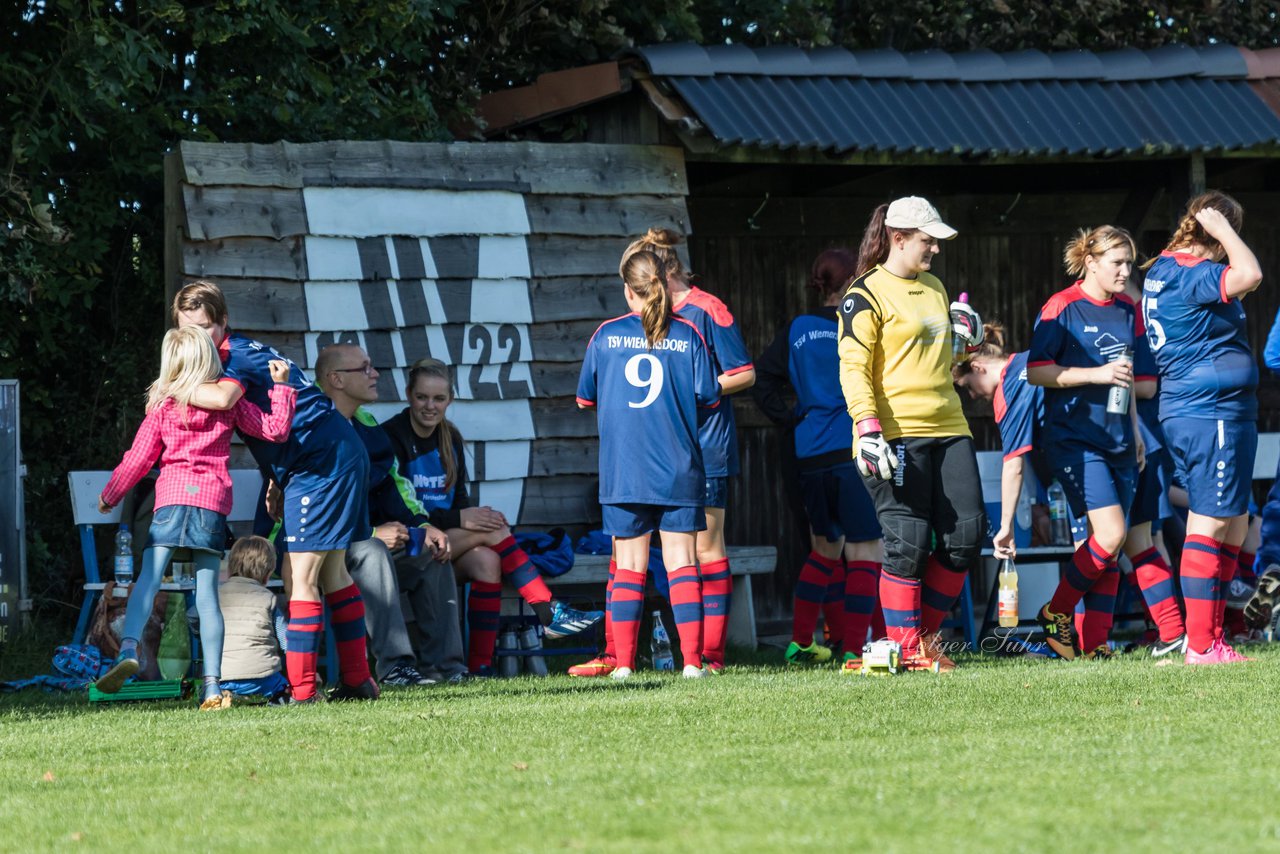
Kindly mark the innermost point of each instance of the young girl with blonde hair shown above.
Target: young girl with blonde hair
(647, 374)
(193, 491)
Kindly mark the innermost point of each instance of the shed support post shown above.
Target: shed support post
(1197, 174)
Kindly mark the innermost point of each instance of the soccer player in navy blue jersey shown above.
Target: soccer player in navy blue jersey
(717, 433)
(1208, 401)
(323, 471)
(1077, 349)
(647, 374)
(843, 529)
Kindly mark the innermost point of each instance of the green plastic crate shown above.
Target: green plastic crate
(163, 689)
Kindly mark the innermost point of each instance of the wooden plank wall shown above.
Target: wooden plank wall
(755, 253)
(498, 258)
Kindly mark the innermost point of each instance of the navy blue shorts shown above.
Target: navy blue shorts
(1151, 497)
(326, 493)
(632, 520)
(838, 504)
(1091, 483)
(1214, 461)
(178, 526)
(717, 493)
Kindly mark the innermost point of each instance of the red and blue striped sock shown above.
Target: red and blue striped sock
(686, 607)
(900, 598)
(346, 612)
(484, 606)
(942, 585)
(717, 588)
(1095, 613)
(625, 603)
(833, 606)
(302, 636)
(1234, 620)
(810, 592)
(520, 571)
(1228, 565)
(878, 628)
(1199, 576)
(1089, 562)
(609, 651)
(1155, 580)
(861, 580)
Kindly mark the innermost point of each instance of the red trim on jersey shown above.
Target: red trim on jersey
(747, 367)
(1012, 455)
(1183, 259)
(224, 349)
(1038, 364)
(1142, 378)
(1058, 302)
(694, 327)
(232, 380)
(607, 322)
(999, 403)
(711, 305)
(1222, 285)
(582, 401)
(1084, 296)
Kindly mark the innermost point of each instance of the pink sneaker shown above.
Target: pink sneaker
(1212, 655)
(1229, 654)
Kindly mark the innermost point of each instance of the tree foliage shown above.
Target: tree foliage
(94, 94)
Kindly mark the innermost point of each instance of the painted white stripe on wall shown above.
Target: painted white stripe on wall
(334, 306)
(392, 261)
(502, 495)
(503, 258)
(428, 260)
(393, 294)
(431, 293)
(376, 211)
(500, 301)
(506, 460)
(331, 258)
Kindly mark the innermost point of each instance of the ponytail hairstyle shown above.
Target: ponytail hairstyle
(646, 275)
(1097, 243)
(188, 358)
(1191, 232)
(832, 271)
(876, 240)
(662, 243)
(992, 349)
(436, 369)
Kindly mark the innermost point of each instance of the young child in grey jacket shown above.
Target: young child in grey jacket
(255, 627)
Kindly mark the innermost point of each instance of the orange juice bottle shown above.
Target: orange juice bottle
(1007, 602)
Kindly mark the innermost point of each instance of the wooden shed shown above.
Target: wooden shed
(501, 257)
(787, 152)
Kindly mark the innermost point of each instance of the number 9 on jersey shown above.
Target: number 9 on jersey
(651, 381)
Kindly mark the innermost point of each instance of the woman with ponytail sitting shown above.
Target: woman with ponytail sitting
(646, 374)
(429, 450)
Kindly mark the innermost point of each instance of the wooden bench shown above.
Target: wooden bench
(744, 562)
(85, 488)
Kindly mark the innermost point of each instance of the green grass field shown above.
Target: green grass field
(1000, 755)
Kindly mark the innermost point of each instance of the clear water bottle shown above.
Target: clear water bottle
(958, 347)
(529, 640)
(660, 645)
(1059, 516)
(124, 556)
(1007, 601)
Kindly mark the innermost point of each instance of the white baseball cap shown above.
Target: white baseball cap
(915, 212)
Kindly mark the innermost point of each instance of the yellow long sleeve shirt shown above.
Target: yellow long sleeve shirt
(895, 355)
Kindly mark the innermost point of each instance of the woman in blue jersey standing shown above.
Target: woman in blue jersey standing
(843, 530)
(1085, 342)
(717, 432)
(647, 374)
(1208, 401)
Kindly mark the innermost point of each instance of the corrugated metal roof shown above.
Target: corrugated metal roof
(1168, 100)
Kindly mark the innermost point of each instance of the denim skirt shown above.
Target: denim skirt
(180, 526)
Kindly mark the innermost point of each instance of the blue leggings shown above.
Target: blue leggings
(155, 561)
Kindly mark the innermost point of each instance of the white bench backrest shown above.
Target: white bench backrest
(1264, 464)
(86, 486)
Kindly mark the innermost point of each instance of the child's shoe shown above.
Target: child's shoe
(125, 668)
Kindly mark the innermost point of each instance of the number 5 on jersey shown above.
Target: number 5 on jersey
(652, 380)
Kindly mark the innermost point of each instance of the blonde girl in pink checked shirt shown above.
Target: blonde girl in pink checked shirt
(193, 492)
